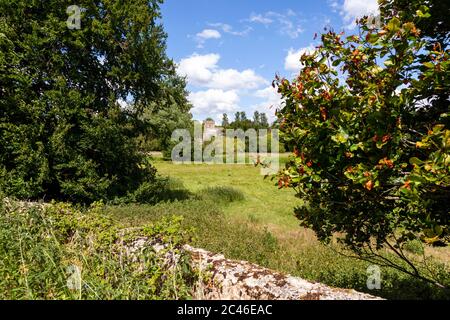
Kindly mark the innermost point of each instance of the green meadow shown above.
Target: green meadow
(236, 211)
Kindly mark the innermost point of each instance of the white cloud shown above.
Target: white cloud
(292, 60)
(233, 79)
(198, 68)
(270, 95)
(287, 23)
(229, 29)
(205, 35)
(290, 29)
(209, 34)
(334, 4)
(203, 71)
(259, 18)
(220, 89)
(271, 102)
(353, 9)
(214, 101)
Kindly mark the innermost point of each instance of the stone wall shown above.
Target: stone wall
(241, 280)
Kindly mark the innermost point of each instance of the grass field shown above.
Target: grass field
(263, 203)
(235, 211)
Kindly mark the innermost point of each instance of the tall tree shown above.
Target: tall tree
(256, 120)
(225, 121)
(237, 120)
(66, 131)
(264, 121)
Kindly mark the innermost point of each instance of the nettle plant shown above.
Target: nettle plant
(368, 120)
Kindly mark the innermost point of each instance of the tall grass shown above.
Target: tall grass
(222, 194)
(59, 252)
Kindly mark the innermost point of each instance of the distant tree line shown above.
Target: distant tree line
(259, 121)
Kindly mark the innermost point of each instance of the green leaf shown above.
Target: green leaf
(415, 161)
(423, 12)
(388, 63)
(417, 179)
(438, 128)
(373, 38)
(355, 147)
(393, 25)
(341, 137)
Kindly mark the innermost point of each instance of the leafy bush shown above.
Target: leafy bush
(43, 247)
(368, 119)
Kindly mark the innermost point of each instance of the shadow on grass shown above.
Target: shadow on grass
(322, 264)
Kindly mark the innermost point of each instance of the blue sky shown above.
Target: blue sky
(230, 50)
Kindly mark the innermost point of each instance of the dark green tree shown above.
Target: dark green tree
(237, 117)
(245, 123)
(237, 120)
(256, 119)
(264, 121)
(163, 119)
(225, 121)
(63, 132)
